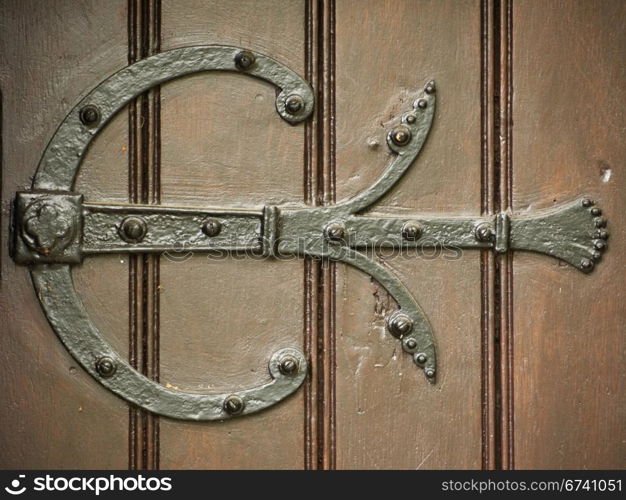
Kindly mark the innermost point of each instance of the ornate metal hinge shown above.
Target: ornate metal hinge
(55, 228)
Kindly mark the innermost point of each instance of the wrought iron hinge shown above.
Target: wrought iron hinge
(55, 228)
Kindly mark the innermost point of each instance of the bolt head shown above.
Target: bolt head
(334, 231)
(430, 88)
(234, 405)
(421, 358)
(400, 325)
(106, 367)
(484, 232)
(90, 115)
(294, 104)
(401, 135)
(244, 60)
(422, 103)
(288, 365)
(411, 231)
(212, 227)
(410, 344)
(133, 229)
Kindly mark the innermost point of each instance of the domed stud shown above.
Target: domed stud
(596, 255)
(133, 229)
(484, 232)
(410, 344)
(244, 60)
(106, 367)
(411, 231)
(401, 135)
(90, 115)
(411, 119)
(422, 103)
(602, 234)
(429, 372)
(586, 265)
(294, 104)
(600, 222)
(430, 88)
(212, 227)
(421, 358)
(596, 211)
(599, 244)
(334, 231)
(587, 202)
(399, 325)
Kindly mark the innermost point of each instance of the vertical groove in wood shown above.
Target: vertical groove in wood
(503, 271)
(487, 260)
(144, 187)
(320, 277)
(310, 265)
(327, 272)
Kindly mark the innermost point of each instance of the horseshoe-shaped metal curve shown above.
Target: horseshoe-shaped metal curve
(57, 171)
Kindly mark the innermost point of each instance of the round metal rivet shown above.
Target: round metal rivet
(234, 405)
(600, 245)
(400, 325)
(602, 234)
(411, 231)
(288, 365)
(90, 115)
(596, 255)
(401, 135)
(133, 229)
(429, 372)
(334, 231)
(421, 358)
(422, 103)
(596, 211)
(586, 264)
(212, 227)
(483, 232)
(600, 222)
(244, 59)
(410, 343)
(294, 104)
(430, 88)
(587, 202)
(411, 119)
(106, 367)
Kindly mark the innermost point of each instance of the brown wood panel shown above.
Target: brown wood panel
(54, 415)
(223, 144)
(387, 415)
(569, 82)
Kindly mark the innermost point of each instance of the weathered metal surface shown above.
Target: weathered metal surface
(67, 315)
(59, 164)
(57, 227)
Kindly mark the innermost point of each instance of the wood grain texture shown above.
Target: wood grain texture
(569, 82)
(388, 416)
(53, 414)
(223, 144)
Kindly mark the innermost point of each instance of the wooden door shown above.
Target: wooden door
(529, 115)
